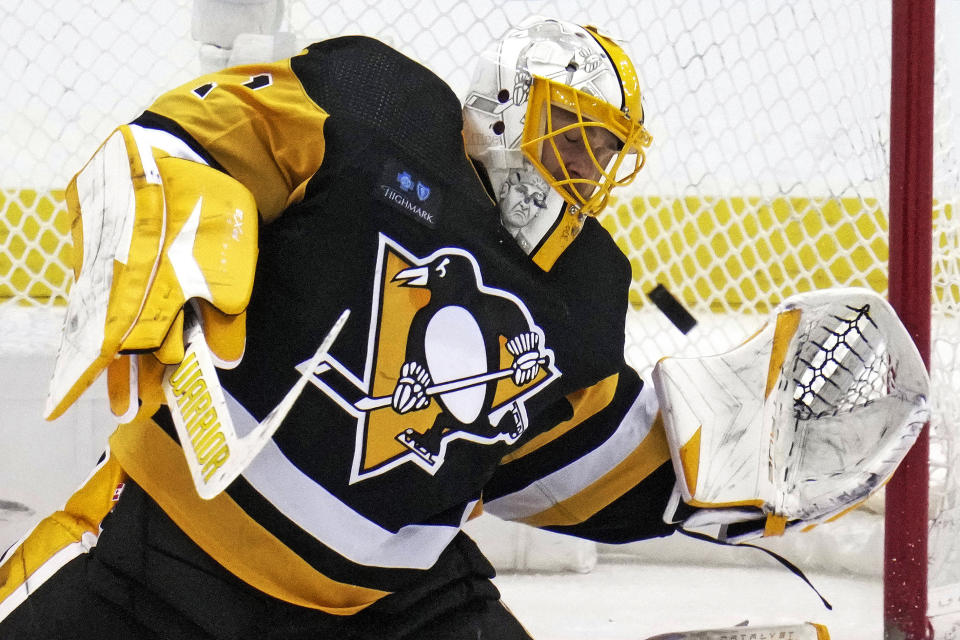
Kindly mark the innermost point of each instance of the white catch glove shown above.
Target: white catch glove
(799, 424)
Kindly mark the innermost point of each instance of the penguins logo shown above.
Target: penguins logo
(448, 358)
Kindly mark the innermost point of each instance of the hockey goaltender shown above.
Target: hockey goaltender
(340, 313)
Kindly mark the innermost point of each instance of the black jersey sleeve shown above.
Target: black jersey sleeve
(598, 465)
(601, 471)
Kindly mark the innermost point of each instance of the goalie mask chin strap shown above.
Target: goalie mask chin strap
(783, 561)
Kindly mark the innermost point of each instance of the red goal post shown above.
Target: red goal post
(911, 234)
(789, 143)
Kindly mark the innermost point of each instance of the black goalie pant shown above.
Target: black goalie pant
(130, 586)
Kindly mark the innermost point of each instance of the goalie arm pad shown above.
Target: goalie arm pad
(153, 227)
(799, 424)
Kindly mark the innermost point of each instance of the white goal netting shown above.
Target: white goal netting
(768, 173)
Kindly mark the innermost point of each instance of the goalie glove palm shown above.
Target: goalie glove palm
(803, 421)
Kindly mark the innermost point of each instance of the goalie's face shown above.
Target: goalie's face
(575, 154)
(585, 145)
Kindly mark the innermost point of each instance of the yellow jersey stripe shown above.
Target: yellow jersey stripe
(81, 515)
(586, 404)
(640, 463)
(222, 529)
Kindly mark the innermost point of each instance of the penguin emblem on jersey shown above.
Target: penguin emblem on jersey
(448, 359)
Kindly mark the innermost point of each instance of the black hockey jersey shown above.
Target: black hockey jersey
(355, 156)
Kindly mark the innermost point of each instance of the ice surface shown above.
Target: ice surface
(636, 601)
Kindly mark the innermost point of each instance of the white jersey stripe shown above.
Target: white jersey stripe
(332, 522)
(580, 474)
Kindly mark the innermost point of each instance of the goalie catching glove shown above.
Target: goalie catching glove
(799, 424)
(153, 227)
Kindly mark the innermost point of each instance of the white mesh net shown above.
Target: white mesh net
(767, 175)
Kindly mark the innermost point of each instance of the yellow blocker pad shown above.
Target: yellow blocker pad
(165, 230)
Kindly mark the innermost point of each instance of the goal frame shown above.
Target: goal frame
(910, 291)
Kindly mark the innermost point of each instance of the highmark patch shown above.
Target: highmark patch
(411, 192)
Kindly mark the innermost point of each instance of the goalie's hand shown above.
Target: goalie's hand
(153, 227)
(800, 423)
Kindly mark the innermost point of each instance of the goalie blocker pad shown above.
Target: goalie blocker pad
(153, 227)
(799, 424)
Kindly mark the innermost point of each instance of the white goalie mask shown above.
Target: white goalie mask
(555, 118)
